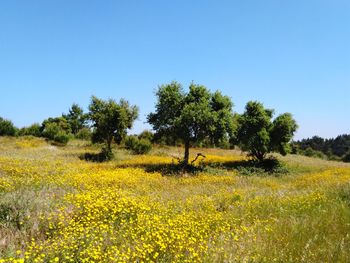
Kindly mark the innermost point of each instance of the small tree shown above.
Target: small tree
(192, 116)
(76, 118)
(259, 135)
(7, 128)
(110, 120)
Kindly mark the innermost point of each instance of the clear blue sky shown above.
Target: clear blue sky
(294, 56)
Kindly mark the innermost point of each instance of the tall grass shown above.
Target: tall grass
(55, 207)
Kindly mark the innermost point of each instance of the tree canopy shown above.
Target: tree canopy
(191, 116)
(259, 135)
(76, 118)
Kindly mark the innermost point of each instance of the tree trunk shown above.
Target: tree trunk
(260, 156)
(187, 153)
(109, 143)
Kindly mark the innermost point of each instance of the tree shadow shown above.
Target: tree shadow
(269, 166)
(96, 157)
(168, 169)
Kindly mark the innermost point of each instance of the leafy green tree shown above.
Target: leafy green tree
(76, 118)
(223, 120)
(192, 116)
(7, 128)
(259, 135)
(110, 120)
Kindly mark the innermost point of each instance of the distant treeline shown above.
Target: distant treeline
(333, 149)
(57, 129)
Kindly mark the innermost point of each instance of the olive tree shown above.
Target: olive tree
(110, 120)
(259, 135)
(191, 116)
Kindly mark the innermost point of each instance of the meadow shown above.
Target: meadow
(55, 207)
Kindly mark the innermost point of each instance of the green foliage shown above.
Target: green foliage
(313, 153)
(76, 118)
(110, 120)
(61, 123)
(333, 149)
(84, 134)
(146, 134)
(7, 128)
(138, 146)
(130, 142)
(51, 130)
(54, 132)
(346, 158)
(283, 129)
(259, 135)
(193, 116)
(33, 130)
(142, 146)
(61, 137)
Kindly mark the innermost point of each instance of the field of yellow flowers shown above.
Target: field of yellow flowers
(55, 207)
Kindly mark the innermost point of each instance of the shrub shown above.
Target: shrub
(142, 146)
(138, 146)
(7, 128)
(61, 137)
(313, 153)
(33, 130)
(346, 158)
(130, 142)
(146, 134)
(53, 132)
(84, 134)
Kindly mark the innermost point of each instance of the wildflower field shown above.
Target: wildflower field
(55, 207)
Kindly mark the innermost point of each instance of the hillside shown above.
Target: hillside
(55, 207)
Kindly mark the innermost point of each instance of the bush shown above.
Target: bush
(61, 137)
(7, 128)
(346, 158)
(142, 146)
(130, 142)
(312, 153)
(84, 134)
(33, 130)
(146, 134)
(138, 146)
(52, 131)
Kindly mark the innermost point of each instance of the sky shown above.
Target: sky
(293, 56)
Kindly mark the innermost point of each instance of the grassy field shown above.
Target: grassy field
(55, 207)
